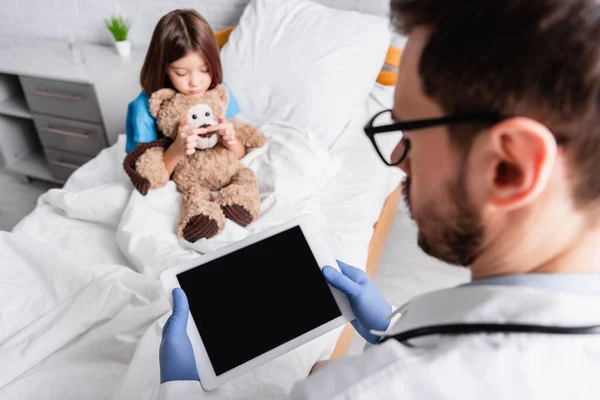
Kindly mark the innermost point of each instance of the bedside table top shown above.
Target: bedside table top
(52, 60)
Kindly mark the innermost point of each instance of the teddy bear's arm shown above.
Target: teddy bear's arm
(248, 135)
(145, 166)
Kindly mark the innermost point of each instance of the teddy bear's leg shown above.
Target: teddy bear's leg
(200, 216)
(241, 199)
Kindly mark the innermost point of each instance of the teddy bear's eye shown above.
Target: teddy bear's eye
(194, 116)
(207, 114)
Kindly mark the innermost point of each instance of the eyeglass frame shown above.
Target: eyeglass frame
(371, 130)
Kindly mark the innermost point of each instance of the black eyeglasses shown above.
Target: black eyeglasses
(393, 147)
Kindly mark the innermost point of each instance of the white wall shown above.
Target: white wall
(24, 20)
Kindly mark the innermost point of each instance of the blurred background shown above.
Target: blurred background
(404, 270)
(23, 20)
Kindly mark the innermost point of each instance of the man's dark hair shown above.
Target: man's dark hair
(533, 58)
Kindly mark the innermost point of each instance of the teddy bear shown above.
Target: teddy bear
(213, 183)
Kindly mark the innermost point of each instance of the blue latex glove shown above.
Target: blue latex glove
(176, 355)
(367, 302)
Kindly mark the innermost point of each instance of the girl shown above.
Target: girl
(183, 55)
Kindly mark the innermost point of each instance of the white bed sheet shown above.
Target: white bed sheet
(352, 200)
(80, 315)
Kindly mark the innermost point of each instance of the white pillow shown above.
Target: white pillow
(305, 64)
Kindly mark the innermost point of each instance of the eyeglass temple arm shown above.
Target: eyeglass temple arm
(426, 123)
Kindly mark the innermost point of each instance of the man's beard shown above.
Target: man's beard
(453, 236)
(406, 194)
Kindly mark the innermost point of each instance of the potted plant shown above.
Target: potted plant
(119, 27)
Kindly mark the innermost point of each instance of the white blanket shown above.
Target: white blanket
(81, 309)
(290, 172)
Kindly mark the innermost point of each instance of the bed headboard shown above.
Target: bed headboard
(388, 73)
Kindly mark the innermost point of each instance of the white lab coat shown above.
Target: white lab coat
(476, 366)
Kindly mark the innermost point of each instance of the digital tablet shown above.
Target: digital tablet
(258, 298)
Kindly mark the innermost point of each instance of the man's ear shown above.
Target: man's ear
(157, 98)
(521, 155)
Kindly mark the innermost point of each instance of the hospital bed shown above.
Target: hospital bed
(81, 309)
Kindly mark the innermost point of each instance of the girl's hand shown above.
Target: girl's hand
(186, 141)
(226, 130)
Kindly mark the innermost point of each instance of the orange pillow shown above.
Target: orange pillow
(389, 71)
(222, 36)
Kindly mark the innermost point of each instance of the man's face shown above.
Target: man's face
(435, 190)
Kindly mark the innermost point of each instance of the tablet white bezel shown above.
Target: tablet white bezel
(323, 256)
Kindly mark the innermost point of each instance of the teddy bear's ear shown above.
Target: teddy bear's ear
(158, 98)
(221, 93)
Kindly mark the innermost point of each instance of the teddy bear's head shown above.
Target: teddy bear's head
(170, 108)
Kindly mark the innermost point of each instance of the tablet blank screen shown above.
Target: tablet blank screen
(250, 301)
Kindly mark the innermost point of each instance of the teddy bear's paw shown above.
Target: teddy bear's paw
(200, 218)
(200, 226)
(238, 214)
(240, 201)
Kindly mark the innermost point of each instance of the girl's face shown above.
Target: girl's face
(190, 74)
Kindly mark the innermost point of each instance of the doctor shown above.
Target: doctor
(503, 176)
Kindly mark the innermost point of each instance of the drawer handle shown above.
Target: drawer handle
(64, 164)
(81, 135)
(56, 95)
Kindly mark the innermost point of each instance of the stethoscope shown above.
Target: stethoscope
(482, 328)
(478, 328)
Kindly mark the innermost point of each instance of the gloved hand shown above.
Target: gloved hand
(367, 302)
(176, 355)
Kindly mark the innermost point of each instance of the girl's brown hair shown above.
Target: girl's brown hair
(177, 33)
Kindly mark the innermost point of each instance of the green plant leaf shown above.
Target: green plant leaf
(118, 27)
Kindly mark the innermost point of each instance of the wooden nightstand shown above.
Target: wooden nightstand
(56, 115)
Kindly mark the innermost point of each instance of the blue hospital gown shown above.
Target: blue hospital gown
(141, 125)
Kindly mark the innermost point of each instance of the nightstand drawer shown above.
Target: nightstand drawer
(64, 99)
(63, 164)
(68, 135)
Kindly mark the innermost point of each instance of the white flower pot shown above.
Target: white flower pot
(123, 48)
